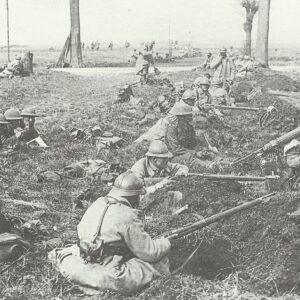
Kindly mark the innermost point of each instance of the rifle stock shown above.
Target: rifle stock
(185, 230)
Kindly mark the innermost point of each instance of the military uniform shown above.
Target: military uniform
(144, 169)
(130, 257)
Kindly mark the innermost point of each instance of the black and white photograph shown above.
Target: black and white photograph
(150, 150)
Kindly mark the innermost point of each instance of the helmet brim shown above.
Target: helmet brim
(162, 155)
(28, 115)
(13, 119)
(126, 193)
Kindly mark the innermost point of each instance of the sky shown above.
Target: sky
(207, 23)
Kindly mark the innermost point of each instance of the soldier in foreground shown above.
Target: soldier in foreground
(114, 251)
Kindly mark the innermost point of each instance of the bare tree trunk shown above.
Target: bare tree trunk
(7, 28)
(75, 49)
(262, 41)
(248, 41)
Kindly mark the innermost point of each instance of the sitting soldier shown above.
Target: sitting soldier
(292, 156)
(114, 252)
(157, 165)
(14, 68)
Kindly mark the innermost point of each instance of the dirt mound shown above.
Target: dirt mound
(262, 244)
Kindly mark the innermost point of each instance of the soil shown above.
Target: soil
(253, 254)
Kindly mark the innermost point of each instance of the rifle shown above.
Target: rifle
(152, 181)
(269, 146)
(226, 107)
(188, 229)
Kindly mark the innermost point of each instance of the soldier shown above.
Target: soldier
(220, 95)
(3, 129)
(247, 67)
(292, 156)
(111, 45)
(202, 86)
(14, 128)
(157, 164)
(29, 133)
(114, 251)
(180, 136)
(144, 61)
(223, 68)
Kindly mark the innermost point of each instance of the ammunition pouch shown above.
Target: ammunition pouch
(91, 251)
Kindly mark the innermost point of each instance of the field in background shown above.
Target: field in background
(118, 57)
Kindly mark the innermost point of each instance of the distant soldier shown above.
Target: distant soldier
(127, 44)
(92, 46)
(134, 56)
(206, 62)
(202, 85)
(220, 95)
(111, 45)
(223, 68)
(14, 68)
(144, 61)
(247, 67)
(97, 45)
(3, 129)
(82, 46)
(29, 133)
(14, 128)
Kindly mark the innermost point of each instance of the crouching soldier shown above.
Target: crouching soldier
(3, 129)
(156, 165)
(29, 133)
(14, 129)
(114, 252)
(292, 156)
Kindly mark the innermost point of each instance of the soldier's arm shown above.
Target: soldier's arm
(142, 245)
(178, 169)
(215, 63)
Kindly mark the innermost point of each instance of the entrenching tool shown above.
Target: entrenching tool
(188, 229)
(271, 146)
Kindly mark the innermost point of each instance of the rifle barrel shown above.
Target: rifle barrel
(177, 233)
(233, 177)
(237, 107)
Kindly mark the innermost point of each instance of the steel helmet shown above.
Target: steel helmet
(127, 184)
(204, 81)
(28, 112)
(158, 148)
(223, 50)
(246, 57)
(197, 81)
(2, 119)
(180, 109)
(189, 94)
(217, 81)
(12, 115)
(293, 144)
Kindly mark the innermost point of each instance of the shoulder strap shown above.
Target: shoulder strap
(108, 203)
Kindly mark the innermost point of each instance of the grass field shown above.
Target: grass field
(251, 256)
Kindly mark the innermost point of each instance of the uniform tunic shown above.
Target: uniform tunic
(121, 227)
